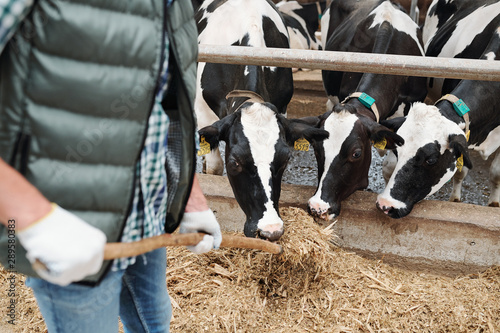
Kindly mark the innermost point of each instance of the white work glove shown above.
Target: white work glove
(202, 222)
(69, 248)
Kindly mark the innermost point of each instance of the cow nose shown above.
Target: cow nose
(271, 236)
(271, 232)
(320, 209)
(384, 205)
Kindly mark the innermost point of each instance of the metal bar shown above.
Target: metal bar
(469, 69)
(413, 10)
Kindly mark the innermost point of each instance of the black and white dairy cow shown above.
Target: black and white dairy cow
(244, 106)
(435, 134)
(302, 22)
(373, 26)
(457, 29)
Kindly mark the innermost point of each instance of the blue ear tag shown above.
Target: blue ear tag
(460, 107)
(366, 100)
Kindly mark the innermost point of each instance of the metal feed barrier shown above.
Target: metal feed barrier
(468, 69)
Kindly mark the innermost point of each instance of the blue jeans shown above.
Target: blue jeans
(138, 295)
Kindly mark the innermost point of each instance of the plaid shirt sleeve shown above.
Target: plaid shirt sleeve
(12, 12)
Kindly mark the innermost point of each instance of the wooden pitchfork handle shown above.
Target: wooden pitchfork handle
(123, 250)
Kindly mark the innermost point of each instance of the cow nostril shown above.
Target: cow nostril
(311, 210)
(384, 208)
(317, 211)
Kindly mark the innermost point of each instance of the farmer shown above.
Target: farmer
(97, 144)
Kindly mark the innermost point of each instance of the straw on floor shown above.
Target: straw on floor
(312, 287)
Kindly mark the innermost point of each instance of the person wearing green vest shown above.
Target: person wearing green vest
(97, 144)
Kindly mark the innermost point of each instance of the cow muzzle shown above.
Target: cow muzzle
(389, 208)
(322, 210)
(385, 206)
(269, 231)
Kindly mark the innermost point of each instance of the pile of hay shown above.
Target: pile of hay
(312, 287)
(316, 287)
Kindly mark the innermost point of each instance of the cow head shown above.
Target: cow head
(258, 143)
(344, 158)
(426, 161)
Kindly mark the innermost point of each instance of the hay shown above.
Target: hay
(315, 287)
(312, 287)
(27, 317)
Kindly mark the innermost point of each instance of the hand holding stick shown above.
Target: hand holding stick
(121, 250)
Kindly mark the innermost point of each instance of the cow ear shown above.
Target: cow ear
(382, 136)
(394, 123)
(211, 135)
(313, 121)
(218, 131)
(458, 144)
(303, 128)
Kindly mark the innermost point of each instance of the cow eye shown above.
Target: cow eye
(356, 154)
(233, 167)
(431, 161)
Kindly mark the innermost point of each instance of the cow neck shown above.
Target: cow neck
(458, 108)
(365, 100)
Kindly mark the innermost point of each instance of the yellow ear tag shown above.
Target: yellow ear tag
(204, 147)
(460, 163)
(381, 144)
(301, 144)
(467, 135)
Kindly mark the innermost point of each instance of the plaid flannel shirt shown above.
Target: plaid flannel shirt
(147, 216)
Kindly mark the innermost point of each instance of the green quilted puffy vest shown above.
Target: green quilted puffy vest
(77, 85)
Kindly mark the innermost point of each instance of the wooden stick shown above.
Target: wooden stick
(251, 243)
(122, 250)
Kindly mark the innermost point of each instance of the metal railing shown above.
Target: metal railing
(469, 69)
